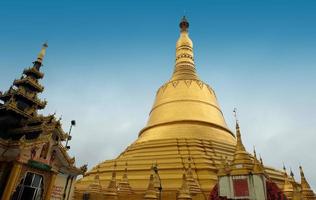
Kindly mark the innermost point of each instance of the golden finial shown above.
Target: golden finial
(261, 161)
(236, 118)
(239, 144)
(291, 173)
(42, 53)
(235, 113)
(184, 24)
(301, 171)
(284, 168)
(304, 184)
(254, 152)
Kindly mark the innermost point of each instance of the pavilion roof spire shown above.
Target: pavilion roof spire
(242, 162)
(184, 67)
(41, 55)
(239, 146)
(307, 192)
(304, 183)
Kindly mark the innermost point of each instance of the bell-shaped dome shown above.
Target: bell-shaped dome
(186, 107)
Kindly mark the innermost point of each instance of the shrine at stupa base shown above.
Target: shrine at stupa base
(181, 151)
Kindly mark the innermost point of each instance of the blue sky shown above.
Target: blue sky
(106, 59)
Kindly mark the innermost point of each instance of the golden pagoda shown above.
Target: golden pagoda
(186, 129)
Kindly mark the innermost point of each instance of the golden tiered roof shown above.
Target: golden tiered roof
(184, 122)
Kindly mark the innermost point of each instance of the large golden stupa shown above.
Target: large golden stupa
(186, 134)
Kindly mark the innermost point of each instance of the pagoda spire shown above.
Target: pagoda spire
(307, 192)
(240, 146)
(193, 185)
(184, 192)
(287, 185)
(184, 66)
(111, 190)
(242, 162)
(95, 186)
(151, 192)
(254, 152)
(258, 167)
(124, 187)
(304, 182)
(40, 57)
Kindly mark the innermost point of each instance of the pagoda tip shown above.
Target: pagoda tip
(291, 173)
(301, 171)
(45, 44)
(236, 118)
(184, 24)
(42, 53)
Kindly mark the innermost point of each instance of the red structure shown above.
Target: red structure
(273, 192)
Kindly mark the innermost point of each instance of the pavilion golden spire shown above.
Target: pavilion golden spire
(240, 146)
(242, 162)
(184, 67)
